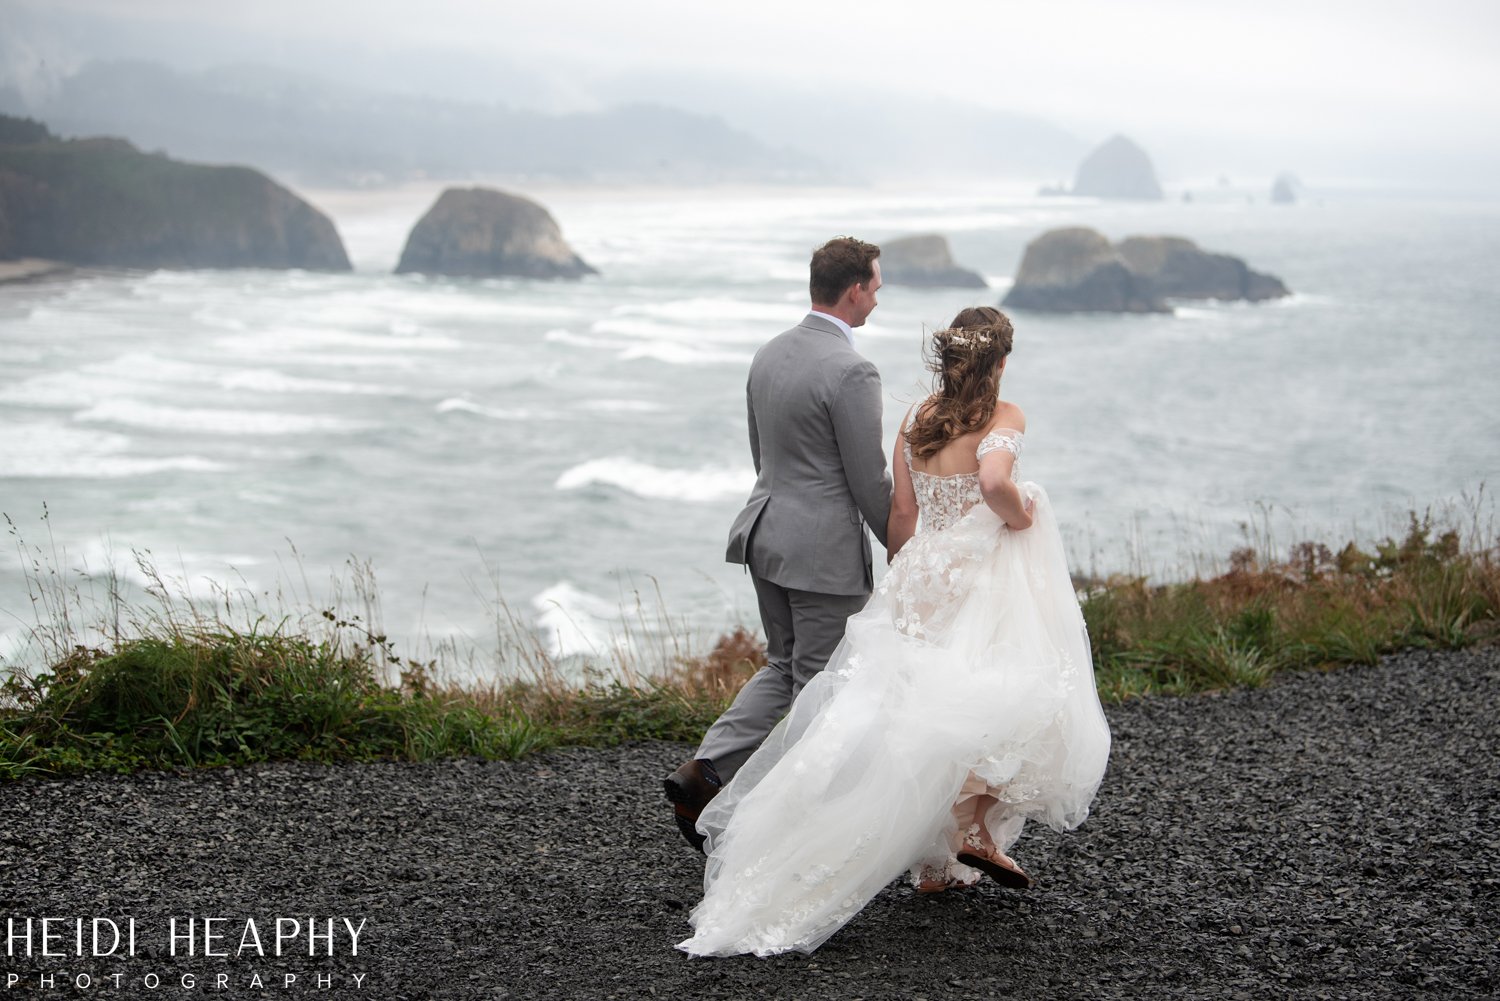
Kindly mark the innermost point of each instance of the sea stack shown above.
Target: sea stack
(1173, 267)
(481, 233)
(102, 202)
(1284, 189)
(924, 260)
(1118, 169)
(1079, 270)
(1075, 270)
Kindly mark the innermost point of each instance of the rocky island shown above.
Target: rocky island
(925, 260)
(481, 232)
(1078, 270)
(1118, 169)
(102, 202)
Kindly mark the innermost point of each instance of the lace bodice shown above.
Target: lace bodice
(942, 500)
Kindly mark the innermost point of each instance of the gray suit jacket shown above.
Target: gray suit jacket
(820, 467)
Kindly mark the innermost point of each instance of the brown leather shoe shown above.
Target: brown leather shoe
(689, 789)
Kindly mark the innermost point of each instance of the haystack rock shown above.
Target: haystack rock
(1075, 270)
(1284, 189)
(480, 232)
(104, 202)
(1176, 268)
(1078, 270)
(924, 260)
(1118, 169)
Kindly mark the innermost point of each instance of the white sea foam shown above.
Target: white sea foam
(673, 353)
(134, 375)
(1297, 299)
(139, 366)
(623, 406)
(371, 311)
(44, 451)
(108, 467)
(344, 313)
(125, 375)
(656, 483)
(282, 341)
(60, 389)
(579, 341)
(572, 620)
(678, 350)
(708, 310)
(709, 331)
(494, 413)
(440, 301)
(638, 328)
(143, 563)
(404, 312)
(270, 381)
(1196, 313)
(134, 413)
(330, 360)
(879, 331)
(214, 318)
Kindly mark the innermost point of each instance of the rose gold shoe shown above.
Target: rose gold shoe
(936, 879)
(993, 863)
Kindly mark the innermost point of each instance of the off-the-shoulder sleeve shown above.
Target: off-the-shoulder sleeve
(1007, 438)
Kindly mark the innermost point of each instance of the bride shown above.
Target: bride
(960, 702)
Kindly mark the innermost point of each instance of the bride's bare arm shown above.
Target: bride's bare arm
(1001, 494)
(1003, 497)
(902, 524)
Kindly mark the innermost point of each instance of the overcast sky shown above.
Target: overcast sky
(1366, 75)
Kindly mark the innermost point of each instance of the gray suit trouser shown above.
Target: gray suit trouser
(803, 628)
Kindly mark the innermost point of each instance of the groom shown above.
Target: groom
(815, 438)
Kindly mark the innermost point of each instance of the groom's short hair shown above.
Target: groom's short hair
(839, 263)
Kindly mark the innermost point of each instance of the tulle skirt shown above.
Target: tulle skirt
(970, 659)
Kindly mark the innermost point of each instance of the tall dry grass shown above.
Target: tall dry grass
(183, 682)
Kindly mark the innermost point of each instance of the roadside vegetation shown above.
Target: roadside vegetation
(181, 688)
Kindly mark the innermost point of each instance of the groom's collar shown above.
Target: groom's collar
(843, 327)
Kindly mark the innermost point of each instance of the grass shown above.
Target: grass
(1314, 609)
(185, 689)
(227, 697)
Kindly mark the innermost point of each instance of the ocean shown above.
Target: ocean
(452, 459)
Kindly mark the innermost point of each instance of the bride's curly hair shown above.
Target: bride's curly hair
(966, 359)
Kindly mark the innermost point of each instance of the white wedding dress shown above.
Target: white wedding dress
(970, 659)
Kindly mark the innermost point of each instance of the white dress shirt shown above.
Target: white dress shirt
(848, 330)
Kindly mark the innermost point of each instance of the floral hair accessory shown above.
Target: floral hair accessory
(965, 336)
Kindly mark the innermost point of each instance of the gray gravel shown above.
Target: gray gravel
(1329, 836)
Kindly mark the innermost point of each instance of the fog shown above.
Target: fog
(1380, 93)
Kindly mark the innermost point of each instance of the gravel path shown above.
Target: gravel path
(1329, 836)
